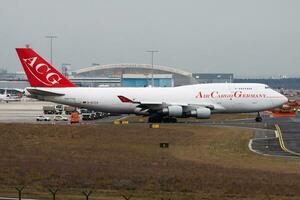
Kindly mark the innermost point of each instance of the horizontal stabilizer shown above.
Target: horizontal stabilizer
(34, 91)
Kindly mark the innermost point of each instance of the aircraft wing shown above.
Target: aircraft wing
(34, 91)
(155, 106)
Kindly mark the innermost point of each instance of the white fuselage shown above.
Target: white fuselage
(224, 97)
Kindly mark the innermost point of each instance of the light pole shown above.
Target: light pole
(64, 69)
(51, 37)
(152, 55)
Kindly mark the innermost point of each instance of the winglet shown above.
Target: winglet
(125, 99)
(39, 72)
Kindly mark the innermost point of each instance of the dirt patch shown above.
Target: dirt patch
(200, 162)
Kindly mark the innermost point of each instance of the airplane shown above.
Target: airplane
(161, 104)
(10, 94)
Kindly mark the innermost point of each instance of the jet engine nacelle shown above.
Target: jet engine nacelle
(173, 111)
(201, 113)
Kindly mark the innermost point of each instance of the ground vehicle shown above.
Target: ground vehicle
(60, 118)
(106, 114)
(42, 118)
(85, 116)
(160, 104)
(59, 108)
(88, 116)
(69, 109)
(98, 115)
(83, 110)
(74, 117)
(48, 110)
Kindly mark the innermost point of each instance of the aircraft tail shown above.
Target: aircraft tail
(39, 72)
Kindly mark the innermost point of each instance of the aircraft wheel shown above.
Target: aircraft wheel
(174, 120)
(258, 118)
(166, 120)
(169, 120)
(155, 119)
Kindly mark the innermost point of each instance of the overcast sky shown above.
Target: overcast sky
(246, 37)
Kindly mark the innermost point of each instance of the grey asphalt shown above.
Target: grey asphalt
(265, 140)
(291, 134)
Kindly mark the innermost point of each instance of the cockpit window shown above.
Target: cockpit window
(267, 87)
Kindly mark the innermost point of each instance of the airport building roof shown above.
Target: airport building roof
(134, 65)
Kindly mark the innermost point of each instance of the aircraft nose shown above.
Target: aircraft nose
(284, 99)
(280, 100)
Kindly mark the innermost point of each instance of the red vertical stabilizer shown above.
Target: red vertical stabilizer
(39, 72)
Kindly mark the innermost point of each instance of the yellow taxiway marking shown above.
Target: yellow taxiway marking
(281, 142)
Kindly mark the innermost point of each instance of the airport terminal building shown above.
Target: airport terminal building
(137, 75)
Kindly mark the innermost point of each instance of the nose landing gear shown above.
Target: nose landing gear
(258, 118)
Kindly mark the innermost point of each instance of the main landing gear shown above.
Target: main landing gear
(155, 119)
(258, 118)
(169, 120)
(160, 119)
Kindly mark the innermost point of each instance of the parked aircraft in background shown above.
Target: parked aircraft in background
(160, 104)
(11, 94)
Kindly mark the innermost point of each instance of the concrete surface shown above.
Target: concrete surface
(27, 111)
